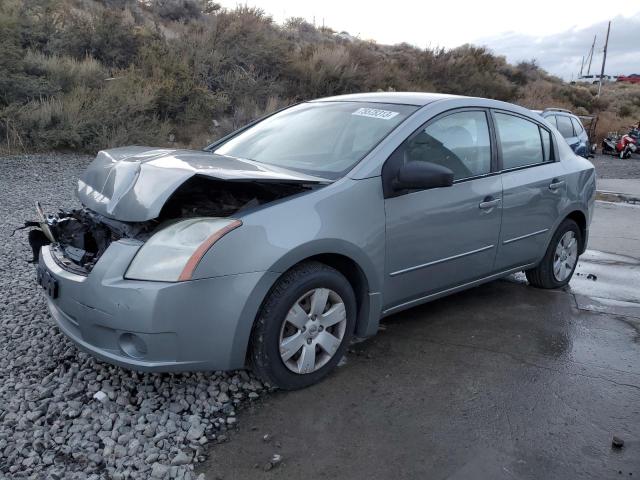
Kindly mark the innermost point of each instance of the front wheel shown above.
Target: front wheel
(561, 258)
(304, 326)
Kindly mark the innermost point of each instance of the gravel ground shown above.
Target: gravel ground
(608, 166)
(51, 426)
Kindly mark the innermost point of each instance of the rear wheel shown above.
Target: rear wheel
(304, 326)
(561, 258)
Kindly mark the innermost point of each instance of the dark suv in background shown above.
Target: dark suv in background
(570, 127)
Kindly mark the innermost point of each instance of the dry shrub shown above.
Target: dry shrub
(186, 72)
(177, 9)
(66, 72)
(332, 59)
(539, 95)
(623, 98)
(121, 113)
(325, 70)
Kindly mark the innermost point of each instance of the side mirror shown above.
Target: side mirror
(419, 175)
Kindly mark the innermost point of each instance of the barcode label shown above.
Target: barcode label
(375, 113)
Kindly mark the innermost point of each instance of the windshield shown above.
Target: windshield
(324, 139)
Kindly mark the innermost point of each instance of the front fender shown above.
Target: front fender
(330, 246)
(345, 218)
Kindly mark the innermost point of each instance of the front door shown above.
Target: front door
(443, 237)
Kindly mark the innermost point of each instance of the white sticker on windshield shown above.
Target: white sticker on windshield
(375, 113)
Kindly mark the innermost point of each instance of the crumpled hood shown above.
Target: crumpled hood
(132, 184)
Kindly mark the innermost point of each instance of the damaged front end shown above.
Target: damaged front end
(133, 192)
(79, 237)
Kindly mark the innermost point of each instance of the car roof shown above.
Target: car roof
(418, 99)
(561, 113)
(422, 99)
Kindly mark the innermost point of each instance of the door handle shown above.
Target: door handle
(489, 202)
(555, 184)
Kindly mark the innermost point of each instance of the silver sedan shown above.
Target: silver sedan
(275, 246)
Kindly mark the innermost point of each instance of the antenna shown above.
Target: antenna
(604, 58)
(591, 54)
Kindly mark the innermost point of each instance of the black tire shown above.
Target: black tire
(264, 348)
(542, 275)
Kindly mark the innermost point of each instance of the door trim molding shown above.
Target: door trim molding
(464, 286)
(522, 237)
(442, 260)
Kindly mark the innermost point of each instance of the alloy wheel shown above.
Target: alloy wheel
(312, 331)
(566, 256)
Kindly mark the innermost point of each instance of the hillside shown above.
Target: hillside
(84, 75)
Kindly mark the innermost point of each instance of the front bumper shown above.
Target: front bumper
(155, 326)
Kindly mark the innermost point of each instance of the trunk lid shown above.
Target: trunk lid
(132, 184)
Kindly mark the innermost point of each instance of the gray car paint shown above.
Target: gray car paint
(206, 322)
(133, 183)
(438, 253)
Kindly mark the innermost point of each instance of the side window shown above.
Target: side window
(519, 140)
(459, 141)
(564, 127)
(577, 126)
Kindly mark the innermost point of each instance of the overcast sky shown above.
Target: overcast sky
(554, 32)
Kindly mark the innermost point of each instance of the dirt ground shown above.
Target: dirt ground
(608, 166)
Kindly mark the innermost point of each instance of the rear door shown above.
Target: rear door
(443, 237)
(533, 187)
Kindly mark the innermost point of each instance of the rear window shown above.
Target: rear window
(577, 126)
(564, 126)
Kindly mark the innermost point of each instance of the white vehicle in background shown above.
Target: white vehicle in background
(594, 79)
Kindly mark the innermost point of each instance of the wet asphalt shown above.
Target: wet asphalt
(503, 381)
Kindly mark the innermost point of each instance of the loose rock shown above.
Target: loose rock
(617, 442)
(100, 396)
(181, 459)
(61, 403)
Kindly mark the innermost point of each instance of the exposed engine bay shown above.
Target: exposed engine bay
(79, 237)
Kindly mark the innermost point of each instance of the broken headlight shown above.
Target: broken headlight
(173, 253)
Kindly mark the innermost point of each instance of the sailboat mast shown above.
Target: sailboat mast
(604, 58)
(591, 54)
